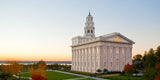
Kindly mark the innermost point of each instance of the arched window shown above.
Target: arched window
(91, 31)
(88, 31)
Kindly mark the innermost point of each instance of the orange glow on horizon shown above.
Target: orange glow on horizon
(33, 59)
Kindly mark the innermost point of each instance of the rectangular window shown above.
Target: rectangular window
(123, 50)
(110, 50)
(117, 50)
(104, 50)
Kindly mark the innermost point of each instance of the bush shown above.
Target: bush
(105, 71)
(38, 77)
(128, 69)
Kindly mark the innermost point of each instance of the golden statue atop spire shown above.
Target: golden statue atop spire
(89, 13)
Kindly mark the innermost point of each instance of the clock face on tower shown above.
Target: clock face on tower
(117, 39)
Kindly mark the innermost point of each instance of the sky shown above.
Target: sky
(43, 29)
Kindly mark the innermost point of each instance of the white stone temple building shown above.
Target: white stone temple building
(111, 51)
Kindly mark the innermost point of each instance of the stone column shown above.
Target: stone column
(87, 59)
(98, 56)
(76, 59)
(94, 51)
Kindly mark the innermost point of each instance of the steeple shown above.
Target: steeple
(89, 29)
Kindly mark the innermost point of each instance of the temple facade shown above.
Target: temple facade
(89, 53)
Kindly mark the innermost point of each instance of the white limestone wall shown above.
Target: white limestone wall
(116, 60)
(101, 55)
(86, 58)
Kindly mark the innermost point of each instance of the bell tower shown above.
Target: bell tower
(89, 29)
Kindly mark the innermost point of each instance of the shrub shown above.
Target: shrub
(128, 69)
(38, 77)
(105, 70)
(99, 70)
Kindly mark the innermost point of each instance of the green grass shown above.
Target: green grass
(86, 79)
(123, 78)
(51, 75)
(25, 75)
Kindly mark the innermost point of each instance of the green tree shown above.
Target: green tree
(144, 57)
(158, 54)
(150, 59)
(137, 57)
(42, 63)
(56, 66)
(149, 73)
(150, 62)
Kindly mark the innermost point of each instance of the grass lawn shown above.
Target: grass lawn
(86, 79)
(123, 78)
(51, 75)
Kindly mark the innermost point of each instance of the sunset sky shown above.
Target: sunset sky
(42, 29)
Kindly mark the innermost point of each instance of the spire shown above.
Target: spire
(89, 13)
(89, 29)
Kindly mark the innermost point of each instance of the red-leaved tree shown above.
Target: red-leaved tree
(128, 69)
(38, 77)
(157, 77)
(39, 72)
(158, 67)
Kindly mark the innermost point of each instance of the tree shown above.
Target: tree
(149, 73)
(150, 59)
(157, 77)
(137, 57)
(99, 70)
(150, 62)
(158, 67)
(105, 70)
(138, 66)
(158, 54)
(38, 71)
(56, 66)
(128, 69)
(12, 67)
(42, 63)
(38, 77)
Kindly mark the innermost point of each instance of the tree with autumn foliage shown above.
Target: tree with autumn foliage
(38, 77)
(157, 77)
(38, 73)
(158, 67)
(128, 69)
(12, 67)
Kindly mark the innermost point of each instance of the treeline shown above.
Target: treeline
(149, 62)
(59, 67)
